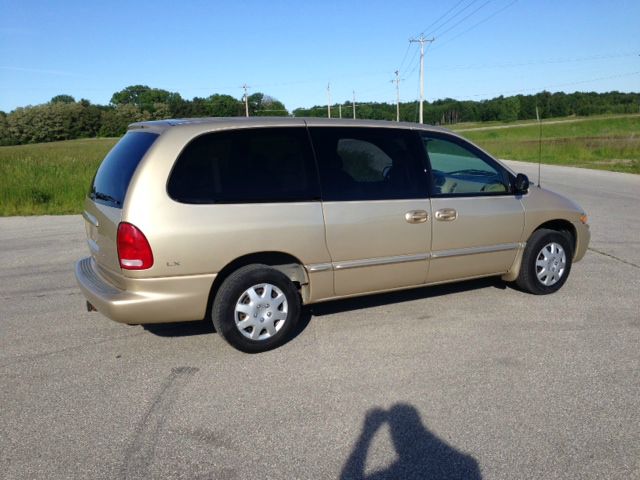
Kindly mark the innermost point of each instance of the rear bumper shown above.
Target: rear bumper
(151, 300)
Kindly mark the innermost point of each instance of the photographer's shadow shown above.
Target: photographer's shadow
(421, 455)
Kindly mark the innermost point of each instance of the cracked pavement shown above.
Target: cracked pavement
(470, 380)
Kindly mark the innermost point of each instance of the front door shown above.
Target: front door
(477, 220)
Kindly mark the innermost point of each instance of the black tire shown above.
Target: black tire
(530, 273)
(233, 293)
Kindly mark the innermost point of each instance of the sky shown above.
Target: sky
(292, 50)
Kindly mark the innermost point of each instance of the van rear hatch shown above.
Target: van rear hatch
(103, 205)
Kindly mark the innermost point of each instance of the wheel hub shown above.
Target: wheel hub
(550, 264)
(261, 311)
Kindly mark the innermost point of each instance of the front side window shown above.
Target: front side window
(459, 171)
(246, 166)
(368, 163)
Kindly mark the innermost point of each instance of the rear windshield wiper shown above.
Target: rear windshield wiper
(106, 197)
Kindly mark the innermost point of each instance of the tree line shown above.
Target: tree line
(64, 118)
(504, 109)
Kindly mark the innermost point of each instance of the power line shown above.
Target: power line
(405, 56)
(415, 67)
(413, 70)
(458, 13)
(479, 23)
(537, 62)
(432, 24)
(444, 15)
(415, 55)
(463, 19)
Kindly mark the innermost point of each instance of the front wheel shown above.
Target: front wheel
(256, 308)
(546, 262)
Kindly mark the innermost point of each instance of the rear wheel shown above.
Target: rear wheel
(256, 308)
(546, 262)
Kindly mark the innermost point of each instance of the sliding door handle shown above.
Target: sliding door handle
(446, 214)
(416, 216)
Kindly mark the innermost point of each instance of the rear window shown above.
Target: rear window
(112, 179)
(246, 166)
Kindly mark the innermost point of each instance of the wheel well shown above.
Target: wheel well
(562, 226)
(287, 264)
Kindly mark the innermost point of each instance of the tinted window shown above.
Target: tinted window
(369, 163)
(110, 184)
(458, 170)
(252, 165)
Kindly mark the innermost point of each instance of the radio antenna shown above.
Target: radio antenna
(539, 144)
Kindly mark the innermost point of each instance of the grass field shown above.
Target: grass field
(608, 143)
(53, 178)
(48, 178)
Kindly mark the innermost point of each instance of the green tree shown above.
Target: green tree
(45, 123)
(62, 118)
(5, 135)
(89, 120)
(158, 111)
(147, 99)
(179, 108)
(116, 120)
(198, 107)
(559, 105)
(224, 106)
(263, 105)
(272, 108)
(509, 109)
(62, 99)
(129, 95)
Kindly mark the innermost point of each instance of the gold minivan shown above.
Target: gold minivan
(245, 220)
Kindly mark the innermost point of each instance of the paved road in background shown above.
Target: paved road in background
(612, 201)
(476, 380)
(534, 123)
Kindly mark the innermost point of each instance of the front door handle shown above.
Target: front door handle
(446, 214)
(416, 216)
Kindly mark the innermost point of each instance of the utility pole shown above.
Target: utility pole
(329, 100)
(421, 40)
(246, 100)
(340, 110)
(354, 104)
(397, 82)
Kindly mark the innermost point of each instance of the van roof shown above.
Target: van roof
(216, 123)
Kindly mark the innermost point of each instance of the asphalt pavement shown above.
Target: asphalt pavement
(472, 380)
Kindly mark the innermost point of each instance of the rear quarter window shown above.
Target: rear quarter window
(111, 181)
(246, 166)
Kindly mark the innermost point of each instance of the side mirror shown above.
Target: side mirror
(521, 184)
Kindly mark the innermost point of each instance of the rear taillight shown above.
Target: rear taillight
(134, 251)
